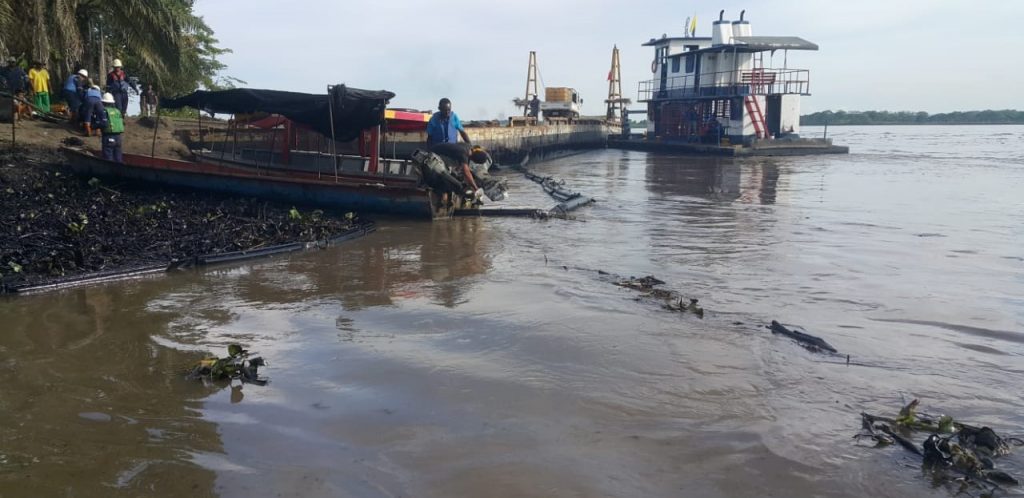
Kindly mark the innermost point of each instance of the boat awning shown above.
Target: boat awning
(353, 109)
(658, 41)
(745, 44)
(774, 43)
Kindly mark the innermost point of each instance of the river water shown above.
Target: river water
(488, 357)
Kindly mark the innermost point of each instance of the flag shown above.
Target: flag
(609, 75)
(693, 25)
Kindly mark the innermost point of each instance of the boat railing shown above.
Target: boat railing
(301, 151)
(726, 84)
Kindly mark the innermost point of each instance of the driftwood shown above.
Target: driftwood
(808, 341)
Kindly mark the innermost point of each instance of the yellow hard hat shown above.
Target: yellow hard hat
(117, 62)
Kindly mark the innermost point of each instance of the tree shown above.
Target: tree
(161, 41)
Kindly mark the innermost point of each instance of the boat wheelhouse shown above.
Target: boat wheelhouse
(729, 88)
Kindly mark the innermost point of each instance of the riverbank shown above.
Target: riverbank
(55, 225)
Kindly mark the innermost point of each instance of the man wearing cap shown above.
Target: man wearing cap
(39, 81)
(74, 88)
(111, 122)
(118, 84)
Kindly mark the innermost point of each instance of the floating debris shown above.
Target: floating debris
(808, 341)
(670, 299)
(957, 454)
(239, 364)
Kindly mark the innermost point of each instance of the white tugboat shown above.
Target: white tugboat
(727, 94)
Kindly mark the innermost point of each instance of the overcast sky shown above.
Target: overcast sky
(931, 55)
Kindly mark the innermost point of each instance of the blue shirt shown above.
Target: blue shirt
(71, 84)
(441, 130)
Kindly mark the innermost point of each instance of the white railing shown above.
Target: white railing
(728, 84)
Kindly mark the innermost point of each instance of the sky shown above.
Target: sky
(917, 55)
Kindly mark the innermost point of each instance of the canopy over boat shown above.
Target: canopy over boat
(353, 109)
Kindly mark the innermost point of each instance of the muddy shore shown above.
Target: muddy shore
(55, 225)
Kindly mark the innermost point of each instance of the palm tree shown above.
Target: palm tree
(162, 41)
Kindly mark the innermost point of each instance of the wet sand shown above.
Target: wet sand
(483, 357)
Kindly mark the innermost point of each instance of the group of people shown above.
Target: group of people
(88, 106)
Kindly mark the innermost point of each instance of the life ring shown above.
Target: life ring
(654, 66)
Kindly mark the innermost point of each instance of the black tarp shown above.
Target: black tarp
(354, 110)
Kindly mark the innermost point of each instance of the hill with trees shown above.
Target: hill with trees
(840, 118)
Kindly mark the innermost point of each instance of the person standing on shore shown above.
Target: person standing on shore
(118, 85)
(148, 101)
(39, 80)
(16, 78)
(112, 122)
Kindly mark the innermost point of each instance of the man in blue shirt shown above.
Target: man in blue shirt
(444, 124)
(443, 132)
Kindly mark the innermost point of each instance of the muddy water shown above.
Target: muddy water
(485, 358)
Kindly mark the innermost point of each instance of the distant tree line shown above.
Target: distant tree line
(840, 118)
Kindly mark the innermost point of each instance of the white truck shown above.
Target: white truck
(561, 103)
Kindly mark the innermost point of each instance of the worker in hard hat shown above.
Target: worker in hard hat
(118, 84)
(112, 127)
(74, 90)
(92, 111)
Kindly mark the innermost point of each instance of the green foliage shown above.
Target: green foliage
(162, 42)
(840, 118)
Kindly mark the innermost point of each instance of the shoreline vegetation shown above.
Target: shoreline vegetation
(851, 118)
(161, 42)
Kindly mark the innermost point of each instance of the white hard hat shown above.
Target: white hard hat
(117, 62)
(108, 98)
(83, 73)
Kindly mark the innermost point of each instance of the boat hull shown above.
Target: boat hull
(364, 195)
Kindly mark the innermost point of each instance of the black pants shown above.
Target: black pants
(112, 148)
(121, 101)
(458, 152)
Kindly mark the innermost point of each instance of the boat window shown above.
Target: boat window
(675, 64)
(690, 60)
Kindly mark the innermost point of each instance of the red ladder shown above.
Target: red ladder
(754, 110)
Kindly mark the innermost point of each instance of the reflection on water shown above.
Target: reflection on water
(486, 358)
(90, 406)
(714, 178)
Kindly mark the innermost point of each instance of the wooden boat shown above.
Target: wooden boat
(362, 193)
(365, 183)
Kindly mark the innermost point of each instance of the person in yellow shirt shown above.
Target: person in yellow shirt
(39, 80)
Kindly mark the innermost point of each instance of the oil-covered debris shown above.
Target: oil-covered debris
(55, 225)
(670, 300)
(811, 343)
(238, 364)
(959, 455)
